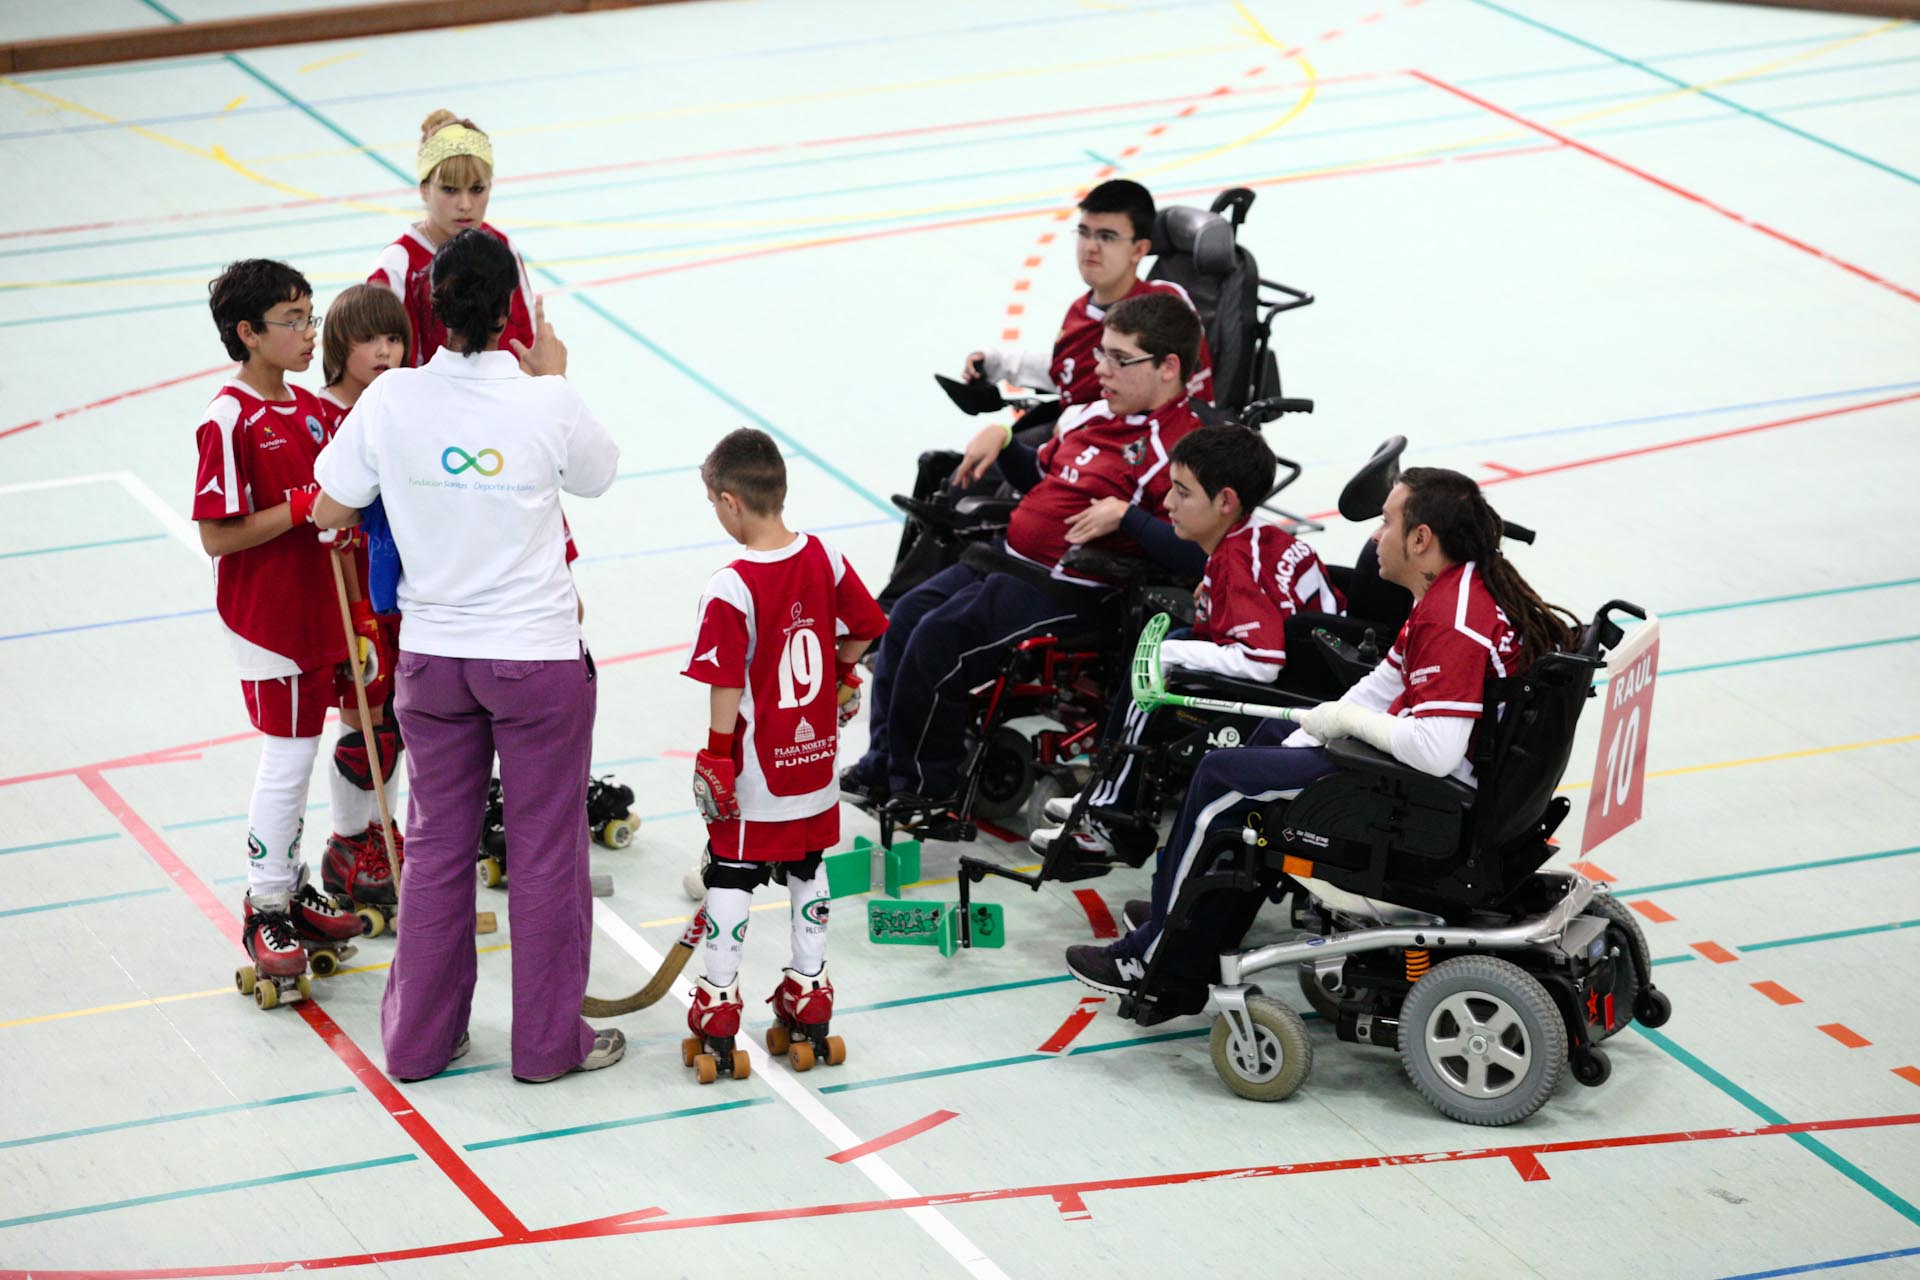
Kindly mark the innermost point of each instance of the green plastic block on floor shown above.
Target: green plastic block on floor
(899, 923)
(903, 866)
(851, 872)
(989, 924)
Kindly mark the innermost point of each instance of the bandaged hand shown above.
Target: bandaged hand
(1331, 720)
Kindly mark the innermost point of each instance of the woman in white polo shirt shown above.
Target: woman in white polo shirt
(471, 456)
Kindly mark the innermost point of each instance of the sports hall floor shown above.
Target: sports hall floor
(1651, 269)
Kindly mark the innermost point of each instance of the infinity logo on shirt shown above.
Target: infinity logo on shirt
(471, 461)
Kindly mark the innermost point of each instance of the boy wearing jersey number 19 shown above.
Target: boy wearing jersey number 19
(770, 623)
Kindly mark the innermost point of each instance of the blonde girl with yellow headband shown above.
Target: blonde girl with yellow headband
(455, 168)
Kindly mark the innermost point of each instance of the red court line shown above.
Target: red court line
(1776, 993)
(901, 1134)
(642, 653)
(999, 832)
(1076, 1023)
(165, 755)
(1846, 1035)
(1663, 184)
(1528, 1166)
(115, 398)
(1069, 1196)
(431, 1144)
(1097, 913)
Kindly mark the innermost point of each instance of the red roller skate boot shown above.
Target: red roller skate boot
(714, 1019)
(355, 871)
(323, 929)
(279, 961)
(802, 1007)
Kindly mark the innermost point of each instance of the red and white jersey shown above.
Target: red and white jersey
(769, 625)
(1454, 641)
(278, 596)
(1095, 455)
(1072, 367)
(1258, 577)
(403, 267)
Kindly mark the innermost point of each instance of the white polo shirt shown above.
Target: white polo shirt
(471, 456)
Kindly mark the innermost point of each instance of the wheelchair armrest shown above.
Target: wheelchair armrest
(1351, 753)
(1214, 685)
(1128, 571)
(984, 508)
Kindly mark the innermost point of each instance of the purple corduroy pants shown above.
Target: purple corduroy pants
(455, 714)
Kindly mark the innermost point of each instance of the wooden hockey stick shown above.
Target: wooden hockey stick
(657, 985)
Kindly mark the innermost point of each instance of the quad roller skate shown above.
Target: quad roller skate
(355, 874)
(325, 931)
(279, 960)
(493, 839)
(714, 1019)
(610, 812)
(802, 1007)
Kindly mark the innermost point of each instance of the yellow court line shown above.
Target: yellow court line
(1772, 759)
(335, 60)
(231, 105)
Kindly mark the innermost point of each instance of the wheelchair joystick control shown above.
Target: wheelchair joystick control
(1370, 648)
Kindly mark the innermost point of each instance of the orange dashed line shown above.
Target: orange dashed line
(1651, 912)
(1021, 286)
(1715, 952)
(1372, 17)
(1156, 131)
(1016, 309)
(1846, 1035)
(1107, 172)
(1256, 71)
(1130, 151)
(1910, 1074)
(1046, 239)
(1331, 35)
(1189, 109)
(1221, 92)
(1032, 262)
(1009, 335)
(1777, 993)
(1064, 214)
(1591, 872)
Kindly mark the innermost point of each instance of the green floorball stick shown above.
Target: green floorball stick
(1150, 682)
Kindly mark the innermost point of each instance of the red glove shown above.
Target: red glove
(300, 503)
(713, 780)
(849, 692)
(373, 647)
(343, 540)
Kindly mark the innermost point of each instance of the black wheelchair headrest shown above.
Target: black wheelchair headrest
(1365, 496)
(1205, 237)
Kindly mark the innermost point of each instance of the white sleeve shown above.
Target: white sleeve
(592, 457)
(1374, 691)
(345, 468)
(390, 269)
(1432, 744)
(1218, 659)
(1031, 369)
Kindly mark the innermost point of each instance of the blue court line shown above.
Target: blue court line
(1862, 931)
(1759, 872)
(628, 1122)
(715, 542)
(1677, 82)
(1795, 596)
(241, 1185)
(1016, 1060)
(1840, 1164)
(657, 471)
(1831, 1264)
(60, 844)
(1684, 414)
(179, 1115)
(95, 626)
(225, 817)
(1097, 158)
(953, 995)
(1781, 657)
(83, 902)
(84, 546)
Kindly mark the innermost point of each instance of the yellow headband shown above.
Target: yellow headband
(454, 140)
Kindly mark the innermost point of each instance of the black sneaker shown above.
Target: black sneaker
(863, 789)
(1106, 968)
(1136, 913)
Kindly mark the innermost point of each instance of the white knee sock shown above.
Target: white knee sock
(276, 813)
(809, 920)
(726, 933)
(353, 809)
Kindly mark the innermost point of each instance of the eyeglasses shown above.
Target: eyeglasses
(1105, 237)
(1119, 361)
(309, 325)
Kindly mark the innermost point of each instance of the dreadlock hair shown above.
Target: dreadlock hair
(1469, 528)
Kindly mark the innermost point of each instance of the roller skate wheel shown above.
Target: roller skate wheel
(266, 995)
(836, 1051)
(706, 1068)
(617, 834)
(492, 874)
(304, 985)
(689, 1050)
(244, 977)
(778, 1038)
(742, 1068)
(800, 1055)
(372, 923)
(323, 964)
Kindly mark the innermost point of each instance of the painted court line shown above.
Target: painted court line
(1845, 1035)
(1097, 913)
(1070, 1029)
(885, 1140)
(1776, 993)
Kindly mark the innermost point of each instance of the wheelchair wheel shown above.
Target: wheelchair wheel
(1006, 774)
(1278, 1060)
(1482, 1041)
(1626, 977)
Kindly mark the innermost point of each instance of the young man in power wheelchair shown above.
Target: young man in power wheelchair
(1409, 819)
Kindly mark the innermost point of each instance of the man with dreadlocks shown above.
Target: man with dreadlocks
(1474, 618)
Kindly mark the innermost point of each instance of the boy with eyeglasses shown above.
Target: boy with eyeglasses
(1114, 234)
(253, 500)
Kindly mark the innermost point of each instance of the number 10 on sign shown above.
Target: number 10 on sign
(1620, 772)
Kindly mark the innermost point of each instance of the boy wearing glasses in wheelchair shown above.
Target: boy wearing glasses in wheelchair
(1474, 618)
(1100, 480)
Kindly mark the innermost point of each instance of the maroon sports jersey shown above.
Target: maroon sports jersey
(1259, 576)
(1072, 366)
(280, 594)
(1453, 642)
(403, 267)
(769, 624)
(1095, 455)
